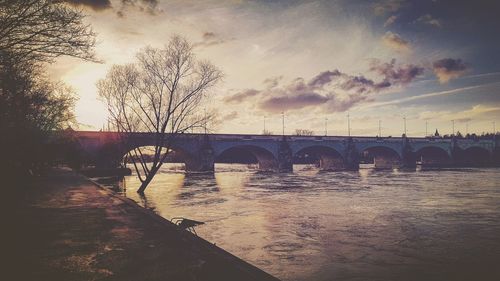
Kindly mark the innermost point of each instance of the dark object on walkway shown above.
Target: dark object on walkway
(186, 224)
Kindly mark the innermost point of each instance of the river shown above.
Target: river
(367, 225)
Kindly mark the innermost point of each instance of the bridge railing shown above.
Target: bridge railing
(242, 137)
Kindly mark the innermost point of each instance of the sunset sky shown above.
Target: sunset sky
(428, 60)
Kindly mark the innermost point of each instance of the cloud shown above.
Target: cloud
(292, 102)
(230, 116)
(396, 42)
(396, 75)
(429, 20)
(323, 78)
(479, 111)
(342, 105)
(209, 36)
(430, 95)
(209, 39)
(148, 6)
(96, 5)
(390, 20)
(387, 6)
(331, 91)
(148, 3)
(447, 69)
(272, 82)
(241, 96)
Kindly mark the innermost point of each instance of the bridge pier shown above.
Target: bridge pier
(408, 160)
(435, 163)
(203, 160)
(351, 158)
(496, 156)
(383, 162)
(331, 164)
(285, 157)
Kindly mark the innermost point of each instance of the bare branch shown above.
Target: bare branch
(160, 93)
(41, 30)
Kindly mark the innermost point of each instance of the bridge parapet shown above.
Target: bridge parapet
(279, 152)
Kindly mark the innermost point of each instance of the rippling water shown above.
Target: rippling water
(366, 225)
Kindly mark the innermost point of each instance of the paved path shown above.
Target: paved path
(71, 229)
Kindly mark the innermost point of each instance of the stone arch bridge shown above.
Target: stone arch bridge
(199, 152)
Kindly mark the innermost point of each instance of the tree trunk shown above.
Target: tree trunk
(148, 179)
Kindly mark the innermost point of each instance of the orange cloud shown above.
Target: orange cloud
(396, 42)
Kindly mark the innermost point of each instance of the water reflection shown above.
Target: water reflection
(364, 225)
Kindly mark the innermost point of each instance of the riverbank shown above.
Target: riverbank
(68, 228)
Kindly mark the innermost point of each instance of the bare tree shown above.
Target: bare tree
(160, 93)
(41, 30)
(304, 132)
(267, 133)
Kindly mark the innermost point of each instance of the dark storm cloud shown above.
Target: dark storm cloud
(448, 68)
(96, 5)
(332, 90)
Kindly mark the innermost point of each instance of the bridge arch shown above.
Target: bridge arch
(248, 154)
(475, 156)
(177, 154)
(433, 156)
(326, 157)
(383, 157)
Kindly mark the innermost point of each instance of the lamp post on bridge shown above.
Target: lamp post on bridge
(205, 123)
(426, 132)
(404, 121)
(348, 124)
(380, 128)
(453, 127)
(326, 126)
(283, 122)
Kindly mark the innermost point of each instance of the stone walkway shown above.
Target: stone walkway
(68, 228)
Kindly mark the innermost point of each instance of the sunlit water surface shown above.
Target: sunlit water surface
(366, 225)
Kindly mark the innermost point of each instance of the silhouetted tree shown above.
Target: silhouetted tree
(267, 133)
(160, 93)
(40, 30)
(304, 132)
(33, 108)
